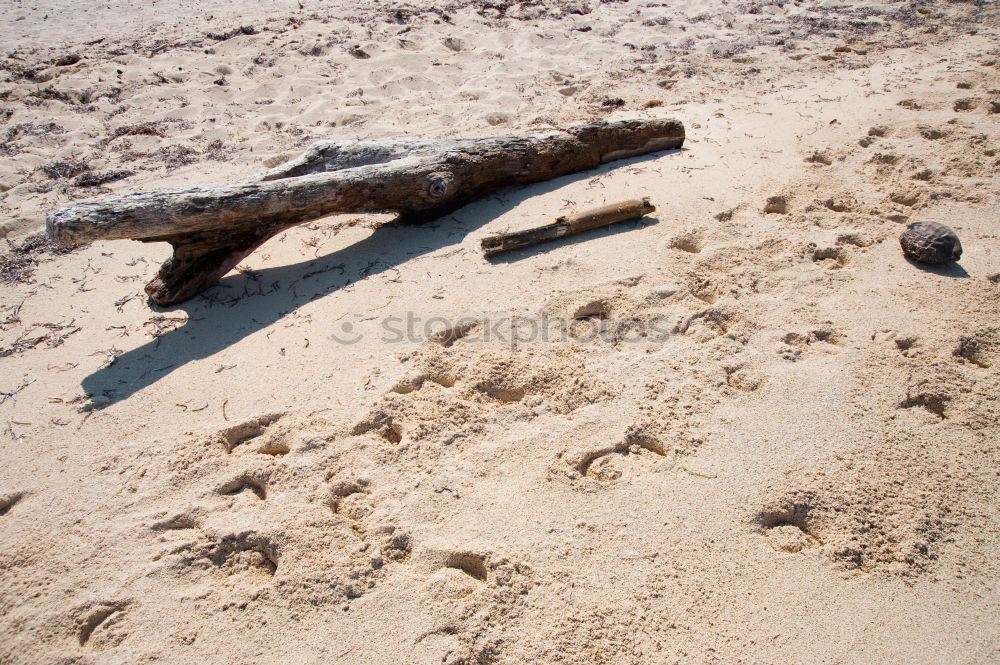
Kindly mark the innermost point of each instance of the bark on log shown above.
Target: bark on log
(567, 226)
(212, 228)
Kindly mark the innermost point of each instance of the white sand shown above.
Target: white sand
(796, 464)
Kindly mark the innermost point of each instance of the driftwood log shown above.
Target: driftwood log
(212, 228)
(567, 226)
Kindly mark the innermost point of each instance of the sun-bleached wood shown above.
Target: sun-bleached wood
(567, 226)
(212, 228)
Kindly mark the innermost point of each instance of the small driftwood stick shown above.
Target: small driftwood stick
(212, 228)
(567, 226)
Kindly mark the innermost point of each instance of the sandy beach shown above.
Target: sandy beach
(742, 429)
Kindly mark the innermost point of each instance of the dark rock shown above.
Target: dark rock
(930, 242)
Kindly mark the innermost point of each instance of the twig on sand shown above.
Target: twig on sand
(566, 226)
(12, 395)
(695, 473)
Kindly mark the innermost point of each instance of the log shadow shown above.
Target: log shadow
(241, 305)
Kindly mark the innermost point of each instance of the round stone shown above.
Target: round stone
(930, 242)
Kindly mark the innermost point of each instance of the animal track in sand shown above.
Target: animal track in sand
(830, 257)
(471, 563)
(608, 313)
(981, 348)
(965, 104)
(471, 592)
(855, 239)
(350, 499)
(821, 157)
(500, 392)
(408, 384)
(452, 334)
(786, 529)
(243, 554)
(934, 402)
(861, 525)
(841, 204)
(824, 340)
(906, 197)
(885, 158)
(690, 241)
(744, 378)
(610, 463)
(241, 483)
(244, 433)
(909, 346)
(382, 424)
(459, 573)
(495, 386)
(594, 310)
(587, 320)
(96, 625)
(398, 547)
(707, 324)
(934, 133)
(176, 523)
(8, 501)
(704, 289)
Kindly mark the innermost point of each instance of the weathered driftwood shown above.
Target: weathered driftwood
(567, 226)
(212, 228)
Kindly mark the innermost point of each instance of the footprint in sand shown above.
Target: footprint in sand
(824, 340)
(459, 573)
(189, 519)
(909, 346)
(245, 482)
(351, 500)
(855, 239)
(8, 501)
(453, 333)
(705, 289)
(928, 401)
(256, 435)
(691, 241)
(408, 384)
(99, 625)
(787, 529)
(841, 204)
(610, 463)
(981, 348)
(382, 425)
(247, 556)
(831, 258)
(744, 378)
(707, 324)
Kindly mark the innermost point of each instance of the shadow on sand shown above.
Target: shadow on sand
(944, 269)
(241, 305)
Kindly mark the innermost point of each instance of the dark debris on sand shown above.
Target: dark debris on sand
(18, 265)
